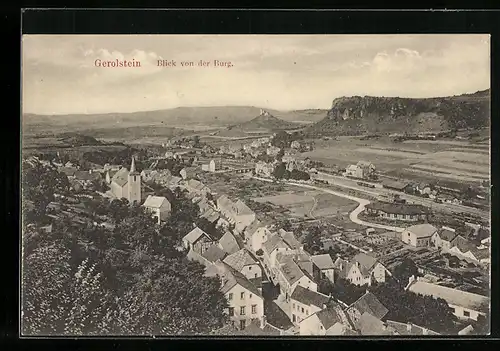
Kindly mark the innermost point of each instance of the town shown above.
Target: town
(295, 246)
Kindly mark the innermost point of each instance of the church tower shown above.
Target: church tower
(134, 184)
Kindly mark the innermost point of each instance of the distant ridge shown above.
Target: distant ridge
(368, 114)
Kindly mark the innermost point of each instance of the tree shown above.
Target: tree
(403, 271)
(279, 171)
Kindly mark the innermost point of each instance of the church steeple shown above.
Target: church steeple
(132, 166)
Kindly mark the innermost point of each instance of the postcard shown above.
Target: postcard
(255, 185)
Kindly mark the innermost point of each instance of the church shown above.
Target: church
(127, 184)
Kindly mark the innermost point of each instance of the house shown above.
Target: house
(464, 249)
(158, 206)
(229, 243)
(360, 270)
(368, 303)
(214, 253)
(290, 275)
(271, 248)
(443, 237)
(329, 321)
(256, 234)
(264, 169)
(368, 324)
(305, 302)
(397, 211)
(237, 213)
(409, 329)
(395, 185)
(243, 262)
(211, 215)
(290, 239)
(195, 187)
(323, 267)
(465, 305)
(362, 170)
(418, 235)
(197, 240)
(127, 184)
(245, 301)
(212, 166)
(85, 178)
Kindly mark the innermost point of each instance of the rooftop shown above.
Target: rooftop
(155, 201)
(409, 329)
(371, 325)
(240, 259)
(229, 243)
(422, 230)
(452, 296)
(274, 242)
(368, 303)
(330, 316)
(214, 253)
(309, 297)
(290, 270)
(446, 234)
(194, 235)
(323, 261)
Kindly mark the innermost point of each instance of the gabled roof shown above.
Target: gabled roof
(229, 243)
(309, 297)
(224, 202)
(460, 242)
(409, 329)
(330, 316)
(252, 228)
(274, 242)
(240, 259)
(366, 262)
(241, 209)
(323, 261)
(289, 239)
(368, 303)
(290, 270)
(452, 296)
(211, 215)
(155, 201)
(422, 230)
(342, 267)
(194, 235)
(364, 164)
(371, 325)
(214, 253)
(234, 277)
(120, 177)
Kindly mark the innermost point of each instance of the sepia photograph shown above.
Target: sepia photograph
(255, 185)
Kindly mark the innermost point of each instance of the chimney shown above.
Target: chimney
(263, 322)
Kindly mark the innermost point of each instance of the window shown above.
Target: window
(250, 268)
(230, 296)
(307, 312)
(231, 311)
(242, 324)
(242, 310)
(242, 295)
(250, 295)
(321, 327)
(255, 275)
(293, 306)
(466, 314)
(302, 309)
(254, 309)
(293, 318)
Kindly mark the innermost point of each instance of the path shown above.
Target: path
(313, 207)
(353, 216)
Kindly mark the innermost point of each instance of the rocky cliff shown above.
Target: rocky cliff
(368, 114)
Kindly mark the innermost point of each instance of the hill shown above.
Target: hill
(368, 114)
(265, 121)
(182, 117)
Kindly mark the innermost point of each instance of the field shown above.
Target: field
(310, 204)
(420, 160)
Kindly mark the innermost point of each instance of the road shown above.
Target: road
(351, 184)
(353, 216)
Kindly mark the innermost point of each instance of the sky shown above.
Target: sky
(283, 72)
